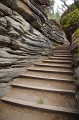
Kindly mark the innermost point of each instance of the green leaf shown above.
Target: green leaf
(40, 101)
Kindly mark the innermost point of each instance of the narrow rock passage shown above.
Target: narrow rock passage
(46, 91)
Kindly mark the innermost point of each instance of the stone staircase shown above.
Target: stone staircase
(46, 91)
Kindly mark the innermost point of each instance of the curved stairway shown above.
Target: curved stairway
(45, 92)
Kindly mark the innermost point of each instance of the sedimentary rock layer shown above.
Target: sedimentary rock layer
(26, 35)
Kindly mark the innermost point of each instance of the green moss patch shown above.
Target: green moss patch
(70, 19)
(76, 34)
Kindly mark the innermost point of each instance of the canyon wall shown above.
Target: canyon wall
(26, 36)
(70, 24)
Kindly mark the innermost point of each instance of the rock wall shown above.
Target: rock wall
(75, 52)
(70, 23)
(26, 36)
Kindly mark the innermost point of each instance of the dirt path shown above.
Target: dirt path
(45, 92)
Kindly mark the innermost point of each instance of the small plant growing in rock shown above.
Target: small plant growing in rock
(40, 101)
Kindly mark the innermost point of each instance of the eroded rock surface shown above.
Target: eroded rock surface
(26, 35)
(70, 23)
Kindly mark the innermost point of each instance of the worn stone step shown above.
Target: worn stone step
(47, 83)
(57, 61)
(43, 107)
(53, 65)
(46, 78)
(62, 55)
(42, 69)
(50, 74)
(63, 62)
(63, 47)
(60, 58)
(62, 51)
(49, 98)
(14, 111)
(50, 68)
(43, 88)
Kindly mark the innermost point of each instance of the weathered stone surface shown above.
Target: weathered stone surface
(77, 72)
(4, 88)
(14, 45)
(3, 26)
(6, 75)
(17, 25)
(21, 21)
(22, 9)
(20, 43)
(3, 31)
(14, 28)
(7, 62)
(70, 23)
(57, 32)
(4, 40)
(77, 97)
(5, 10)
(75, 51)
(3, 22)
(1, 14)
(7, 2)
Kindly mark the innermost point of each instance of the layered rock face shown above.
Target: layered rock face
(70, 23)
(26, 35)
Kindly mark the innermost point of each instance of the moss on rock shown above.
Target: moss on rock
(70, 19)
(76, 34)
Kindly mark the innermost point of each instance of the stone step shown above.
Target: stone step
(49, 70)
(43, 88)
(49, 74)
(61, 51)
(53, 65)
(13, 111)
(60, 58)
(47, 83)
(46, 78)
(42, 107)
(47, 97)
(58, 61)
(63, 47)
(62, 55)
